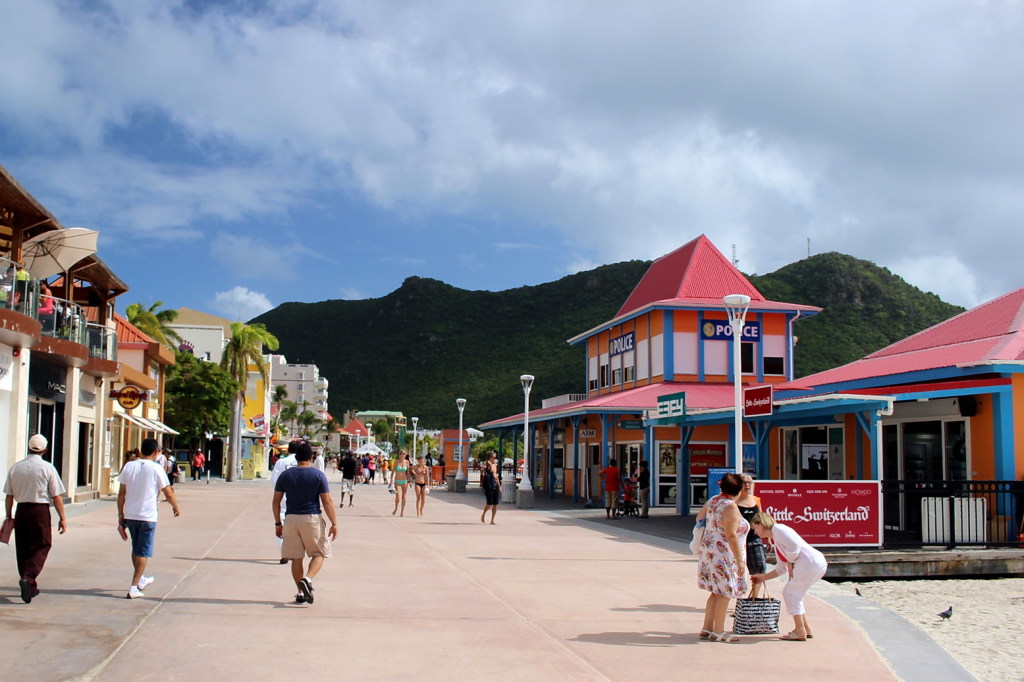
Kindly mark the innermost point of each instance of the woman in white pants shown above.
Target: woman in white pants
(804, 564)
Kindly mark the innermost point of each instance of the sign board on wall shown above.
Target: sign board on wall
(843, 513)
(721, 330)
(705, 455)
(621, 344)
(757, 401)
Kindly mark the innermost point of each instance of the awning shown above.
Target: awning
(163, 428)
(134, 420)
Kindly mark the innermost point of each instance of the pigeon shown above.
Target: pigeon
(858, 592)
(945, 615)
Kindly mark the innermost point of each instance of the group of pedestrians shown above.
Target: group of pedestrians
(33, 484)
(731, 554)
(731, 559)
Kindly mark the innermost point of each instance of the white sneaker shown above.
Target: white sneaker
(145, 582)
(134, 593)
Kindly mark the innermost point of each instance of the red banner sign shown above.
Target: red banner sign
(843, 513)
(704, 455)
(757, 401)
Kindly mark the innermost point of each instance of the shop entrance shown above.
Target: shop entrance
(47, 417)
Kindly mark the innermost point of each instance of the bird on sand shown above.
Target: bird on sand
(945, 615)
(858, 592)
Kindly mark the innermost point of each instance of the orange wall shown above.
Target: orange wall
(983, 442)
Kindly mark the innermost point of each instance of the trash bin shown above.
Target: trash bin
(450, 481)
(508, 491)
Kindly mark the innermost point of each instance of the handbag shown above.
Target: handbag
(757, 616)
(698, 535)
(5, 531)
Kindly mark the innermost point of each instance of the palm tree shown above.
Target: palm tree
(382, 430)
(153, 323)
(244, 348)
(278, 397)
(307, 420)
(286, 417)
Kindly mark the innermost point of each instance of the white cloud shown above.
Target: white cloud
(240, 303)
(352, 294)
(272, 257)
(624, 129)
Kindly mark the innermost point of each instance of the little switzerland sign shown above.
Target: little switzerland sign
(846, 513)
(757, 401)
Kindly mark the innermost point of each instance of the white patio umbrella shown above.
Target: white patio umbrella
(369, 449)
(52, 253)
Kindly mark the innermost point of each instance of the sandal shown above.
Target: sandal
(793, 637)
(705, 634)
(724, 637)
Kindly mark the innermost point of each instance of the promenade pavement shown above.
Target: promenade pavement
(546, 594)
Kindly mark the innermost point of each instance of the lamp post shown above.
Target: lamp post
(460, 478)
(524, 494)
(736, 306)
(415, 420)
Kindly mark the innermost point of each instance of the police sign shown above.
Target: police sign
(720, 330)
(621, 344)
(673, 405)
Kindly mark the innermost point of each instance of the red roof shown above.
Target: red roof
(697, 275)
(129, 333)
(992, 332)
(696, 270)
(634, 400)
(356, 428)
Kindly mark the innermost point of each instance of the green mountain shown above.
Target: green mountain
(427, 343)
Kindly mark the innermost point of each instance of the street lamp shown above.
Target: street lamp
(525, 491)
(736, 306)
(415, 420)
(460, 478)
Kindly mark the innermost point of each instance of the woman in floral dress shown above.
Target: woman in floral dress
(722, 564)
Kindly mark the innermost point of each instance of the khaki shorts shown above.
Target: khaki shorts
(611, 499)
(304, 535)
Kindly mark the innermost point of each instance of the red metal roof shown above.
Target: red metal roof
(992, 332)
(634, 400)
(696, 270)
(129, 333)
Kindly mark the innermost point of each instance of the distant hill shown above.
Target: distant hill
(427, 343)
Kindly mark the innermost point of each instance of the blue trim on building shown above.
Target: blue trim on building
(700, 346)
(668, 355)
(1002, 428)
(759, 360)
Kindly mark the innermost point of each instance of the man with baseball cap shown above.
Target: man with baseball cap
(33, 483)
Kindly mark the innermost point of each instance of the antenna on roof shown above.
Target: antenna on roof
(735, 260)
(808, 247)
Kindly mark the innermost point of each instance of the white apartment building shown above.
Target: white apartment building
(306, 388)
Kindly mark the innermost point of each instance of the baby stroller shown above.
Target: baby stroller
(628, 504)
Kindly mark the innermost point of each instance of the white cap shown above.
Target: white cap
(37, 443)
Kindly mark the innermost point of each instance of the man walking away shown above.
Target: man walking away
(611, 489)
(33, 483)
(348, 479)
(644, 485)
(141, 481)
(303, 531)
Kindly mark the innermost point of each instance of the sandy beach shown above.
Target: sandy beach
(984, 632)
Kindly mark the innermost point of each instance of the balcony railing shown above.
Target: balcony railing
(18, 291)
(102, 342)
(62, 319)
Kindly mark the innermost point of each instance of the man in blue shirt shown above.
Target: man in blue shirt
(304, 532)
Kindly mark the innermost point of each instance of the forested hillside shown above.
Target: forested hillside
(427, 343)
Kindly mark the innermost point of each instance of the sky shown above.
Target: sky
(239, 154)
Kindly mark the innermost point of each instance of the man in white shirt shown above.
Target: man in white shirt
(33, 483)
(141, 481)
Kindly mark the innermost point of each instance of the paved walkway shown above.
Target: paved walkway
(543, 595)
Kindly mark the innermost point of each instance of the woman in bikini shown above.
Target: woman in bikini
(421, 477)
(402, 480)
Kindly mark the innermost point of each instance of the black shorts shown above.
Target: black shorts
(756, 563)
